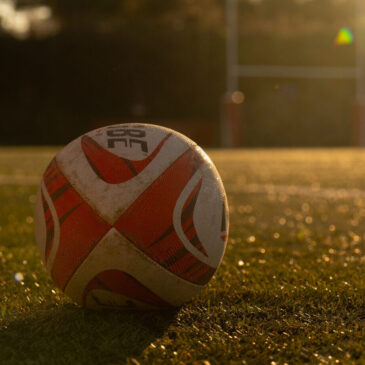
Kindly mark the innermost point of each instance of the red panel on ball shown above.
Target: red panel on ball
(148, 223)
(79, 235)
(112, 168)
(119, 282)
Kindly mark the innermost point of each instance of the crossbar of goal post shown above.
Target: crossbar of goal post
(231, 122)
(295, 72)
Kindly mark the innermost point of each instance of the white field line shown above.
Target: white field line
(293, 190)
(19, 180)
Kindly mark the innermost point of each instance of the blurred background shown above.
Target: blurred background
(68, 66)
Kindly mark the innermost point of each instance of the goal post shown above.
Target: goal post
(231, 110)
(359, 104)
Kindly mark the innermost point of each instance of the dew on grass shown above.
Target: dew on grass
(251, 239)
(252, 219)
(332, 228)
(240, 263)
(18, 277)
(356, 238)
(282, 221)
(308, 220)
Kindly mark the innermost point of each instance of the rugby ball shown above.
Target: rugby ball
(131, 215)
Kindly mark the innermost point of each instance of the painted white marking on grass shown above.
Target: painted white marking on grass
(19, 180)
(293, 190)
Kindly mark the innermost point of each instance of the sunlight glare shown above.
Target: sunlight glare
(19, 22)
(344, 37)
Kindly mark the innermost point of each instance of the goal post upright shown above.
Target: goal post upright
(232, 44)
(359, 113)
(230, 106)
(360, 48)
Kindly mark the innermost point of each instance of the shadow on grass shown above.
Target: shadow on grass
(71, 335)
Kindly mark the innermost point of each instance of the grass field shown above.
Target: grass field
(291, 288)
